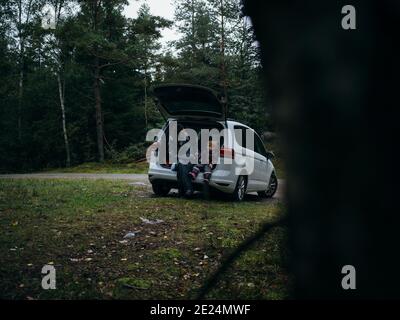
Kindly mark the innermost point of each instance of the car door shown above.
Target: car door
(255, 162)
(262, 166)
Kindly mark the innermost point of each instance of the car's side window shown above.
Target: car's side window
(259, 146)
(240, 135)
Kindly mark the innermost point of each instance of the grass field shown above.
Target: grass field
(106, 167)
(78, 226)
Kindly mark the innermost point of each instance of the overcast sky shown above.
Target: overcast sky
(163, 8)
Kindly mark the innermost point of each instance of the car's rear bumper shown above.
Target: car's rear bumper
(221, 179)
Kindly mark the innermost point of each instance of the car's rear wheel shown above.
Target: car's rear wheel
(240, 190)
(272, 187)
(160, 189)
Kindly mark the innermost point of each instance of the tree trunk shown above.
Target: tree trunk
(342, 206)
(61, 94)
(61, 87)
(20, 95)
(193, 45)
(223, 66)
(99, 114)
(21, 71)
(145, 103)
(21, 60)
(243, 51)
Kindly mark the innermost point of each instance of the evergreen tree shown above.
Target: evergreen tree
(80, 92)
(144, 33)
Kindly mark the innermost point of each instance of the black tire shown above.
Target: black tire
(240, 189)
(160, 189)
(272, 187)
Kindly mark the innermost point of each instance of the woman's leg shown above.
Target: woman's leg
(195, 171)
(207, 173)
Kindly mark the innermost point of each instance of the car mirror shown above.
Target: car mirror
(270, 155)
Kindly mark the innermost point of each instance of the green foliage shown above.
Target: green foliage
(131, 60)
(199, 57)
(130, 154)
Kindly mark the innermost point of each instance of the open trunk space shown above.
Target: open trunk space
(196, 126)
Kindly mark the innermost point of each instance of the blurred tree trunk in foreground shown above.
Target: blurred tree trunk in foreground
(334, 93)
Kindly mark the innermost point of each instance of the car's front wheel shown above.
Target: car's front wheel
(272, 187)
(160, 189)
(240, 190)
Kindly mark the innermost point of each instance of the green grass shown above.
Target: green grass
(106, 167)
(78, 226)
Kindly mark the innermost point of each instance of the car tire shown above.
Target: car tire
(240, 189)
(272, 187)
(160, 189)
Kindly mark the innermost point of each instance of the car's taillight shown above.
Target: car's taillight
(227, 153)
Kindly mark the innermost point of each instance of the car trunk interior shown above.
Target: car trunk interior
(196, 126)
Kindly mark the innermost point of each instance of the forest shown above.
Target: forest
(80, 90)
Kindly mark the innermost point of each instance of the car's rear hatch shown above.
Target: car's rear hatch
(180, 101)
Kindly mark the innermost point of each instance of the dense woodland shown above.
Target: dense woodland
(81, 91)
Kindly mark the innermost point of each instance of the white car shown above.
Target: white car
(197, 108)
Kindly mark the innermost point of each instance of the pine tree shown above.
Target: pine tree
(144, 34)
(197, 48)
(103, 25)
